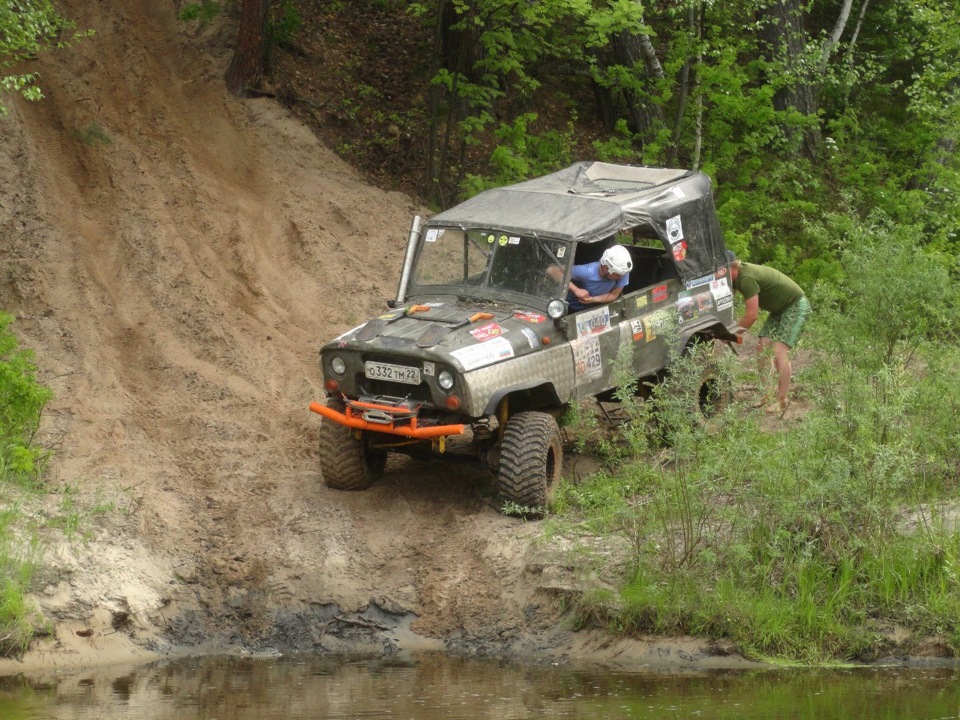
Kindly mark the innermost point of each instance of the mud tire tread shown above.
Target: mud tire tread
(347, 463)
(531, 460)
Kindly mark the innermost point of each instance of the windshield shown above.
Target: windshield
(474, 261)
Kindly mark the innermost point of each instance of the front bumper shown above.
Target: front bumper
(387, 419)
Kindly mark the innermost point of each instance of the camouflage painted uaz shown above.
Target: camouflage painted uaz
(480, 341)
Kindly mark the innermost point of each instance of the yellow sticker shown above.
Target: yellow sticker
(490, 239)
(502, 240)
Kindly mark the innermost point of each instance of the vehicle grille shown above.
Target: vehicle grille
(420, 393)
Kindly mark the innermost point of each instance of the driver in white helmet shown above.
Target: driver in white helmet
(600, 282)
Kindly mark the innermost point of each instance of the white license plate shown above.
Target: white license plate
(393, 373)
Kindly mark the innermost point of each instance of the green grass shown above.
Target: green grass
(810, 539)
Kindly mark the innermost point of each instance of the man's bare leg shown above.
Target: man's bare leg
(765, 365)
(781, 359)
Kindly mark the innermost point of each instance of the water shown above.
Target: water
(434, 687)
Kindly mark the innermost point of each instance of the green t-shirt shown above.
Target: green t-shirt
(776, 291)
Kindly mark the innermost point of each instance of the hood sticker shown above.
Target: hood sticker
(533, 340)
(636, 325)
(530, 317)
(487, 353)
(487, 332)
(660, 293)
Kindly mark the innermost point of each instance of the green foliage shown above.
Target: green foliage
(23, 400)
(27, 27)
(18, 617)
(880, 135)
(204, 11)
(284, 23)
(805, 540)
(519, 155)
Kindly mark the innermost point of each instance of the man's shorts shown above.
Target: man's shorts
(786, 327)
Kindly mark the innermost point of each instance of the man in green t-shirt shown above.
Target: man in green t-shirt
(764, 288)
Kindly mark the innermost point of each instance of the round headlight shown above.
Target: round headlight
(338, 365)
(445, 379)
(556, 309)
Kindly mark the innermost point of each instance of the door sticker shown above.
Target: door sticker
(591, 322)
(588, 361)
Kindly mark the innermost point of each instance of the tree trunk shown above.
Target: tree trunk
(246, 68)
(634, 52)
(830, 43)
(786, 39)
(683, 91)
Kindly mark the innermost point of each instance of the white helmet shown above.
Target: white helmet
(617, 260)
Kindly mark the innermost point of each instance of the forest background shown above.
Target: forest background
(830, 131)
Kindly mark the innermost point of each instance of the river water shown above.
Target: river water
(435, 686)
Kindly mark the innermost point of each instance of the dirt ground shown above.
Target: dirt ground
(175, 257)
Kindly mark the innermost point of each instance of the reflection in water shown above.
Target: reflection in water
(434, 686)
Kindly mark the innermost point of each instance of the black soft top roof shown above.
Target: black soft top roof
(590, 201)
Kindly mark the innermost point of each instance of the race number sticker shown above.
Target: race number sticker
(588, 362)
(487, 353)
(592, 322)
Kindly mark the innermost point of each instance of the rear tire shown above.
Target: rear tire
(714, 394)
(347, 463)
(531, 460)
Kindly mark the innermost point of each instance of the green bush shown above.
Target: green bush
(805, 540)
(22, 400)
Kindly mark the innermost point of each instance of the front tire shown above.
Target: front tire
(346, 462)
(531, 459)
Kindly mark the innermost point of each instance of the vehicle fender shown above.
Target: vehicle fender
(540, 393)
(710, 328)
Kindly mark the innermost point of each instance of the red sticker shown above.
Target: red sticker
(530, 317)
(660, 293)
(680, 251)
(487, 332)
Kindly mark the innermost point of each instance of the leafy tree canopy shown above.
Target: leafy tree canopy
(28, 27)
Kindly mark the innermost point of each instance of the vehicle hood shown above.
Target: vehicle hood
(462, 335)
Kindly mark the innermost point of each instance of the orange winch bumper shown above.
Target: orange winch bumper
(409, 430)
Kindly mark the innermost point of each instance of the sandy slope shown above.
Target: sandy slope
(175, 257)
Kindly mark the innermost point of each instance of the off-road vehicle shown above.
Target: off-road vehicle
(480, 340)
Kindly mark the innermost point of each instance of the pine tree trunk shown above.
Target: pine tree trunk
(246, 68)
